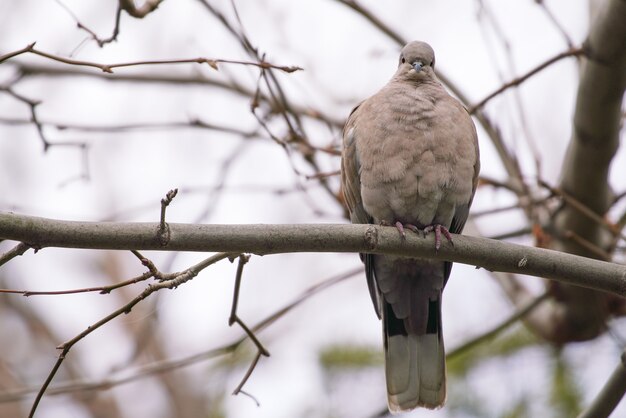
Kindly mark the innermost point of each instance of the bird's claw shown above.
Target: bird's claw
(439, 230)
(401, 227)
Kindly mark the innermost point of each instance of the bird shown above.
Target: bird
(410, 159)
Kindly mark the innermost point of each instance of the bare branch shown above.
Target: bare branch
(169, 365)
(27, 48)
(273, 239)
(146, 8)
(374, 20)
(108, 68)
(583, 209)
(65, 348)
(519, 313)
(32, 70)
(243, 259)
(32, 104)
(595, 250)
(101, 42)
(573, 52)
(151, 126)
(239, 387)
(234, 318)
(164, 230)
(555, 22)
(610, 395)
(143, 372)
(16, 251)
(585, 171)
(101, 289)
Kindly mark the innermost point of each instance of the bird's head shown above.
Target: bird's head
(416, 62)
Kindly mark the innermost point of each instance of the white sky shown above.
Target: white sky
(345, 60)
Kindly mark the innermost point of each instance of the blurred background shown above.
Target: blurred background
(244, 145)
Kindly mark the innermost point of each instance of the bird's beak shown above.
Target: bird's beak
(417, 66)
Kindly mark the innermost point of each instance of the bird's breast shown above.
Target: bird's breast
(413, 165)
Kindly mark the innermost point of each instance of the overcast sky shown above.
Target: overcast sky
(345, 60)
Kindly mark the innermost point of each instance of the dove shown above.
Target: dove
(410, 159)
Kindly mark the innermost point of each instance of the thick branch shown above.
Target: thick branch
(578, 314)
(274, 239)
(597, 122)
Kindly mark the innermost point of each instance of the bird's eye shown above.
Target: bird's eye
(402, 60)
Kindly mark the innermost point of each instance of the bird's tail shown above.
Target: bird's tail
(414, 364)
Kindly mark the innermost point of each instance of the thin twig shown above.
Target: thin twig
(32, 104)
(277, 96)
(498, 328)
(588, 245)
(164, 230)
(108, 68)
(243, 259)
(374, 20)
(323, 175)
(16, 251)
(191, 123)
(583, 209)
(146, 371)
(101, 289)
(214, 195)
(261, 350)
(100, 41)
(493, 211)
(27, 48)
(255, 361)
(556, 23)
(252, 337)
(519, 80)
(47, 382)
(520, 232)
(182, 278)
(154, 271)
(169, 365)
(198, 80)
(243, 392)
(486, 13)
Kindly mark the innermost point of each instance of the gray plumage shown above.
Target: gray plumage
(410, 155)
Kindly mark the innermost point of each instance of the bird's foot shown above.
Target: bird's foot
(400, 227)
(439, 230)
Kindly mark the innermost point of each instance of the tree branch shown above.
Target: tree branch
(597, 122)
(273, 239)
(146, 8)
(16, 251)
(610, 395)
(165, 366)
(35, 70)
(170, 283)
(585, 173)
(519, 80)
(518, 315)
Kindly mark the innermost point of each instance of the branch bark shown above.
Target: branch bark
(274, 239)
(611, 395)
(580, 314)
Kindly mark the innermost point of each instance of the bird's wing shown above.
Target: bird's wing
(351, 186)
